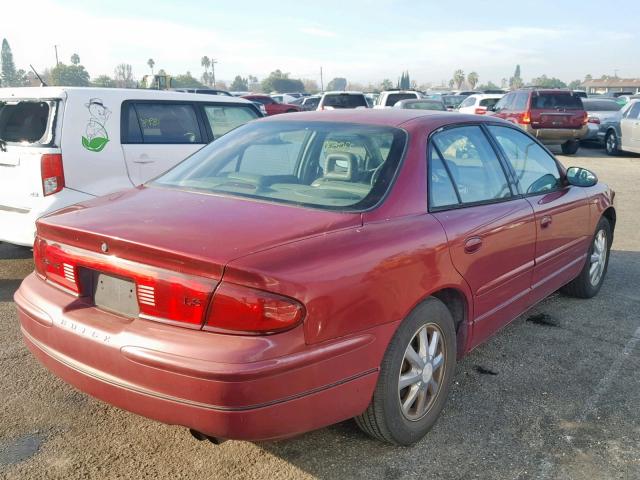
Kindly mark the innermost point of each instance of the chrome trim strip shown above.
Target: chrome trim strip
(5, 208)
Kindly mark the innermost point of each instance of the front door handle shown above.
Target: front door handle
(143, 159)
(472, 245)
(546, 221)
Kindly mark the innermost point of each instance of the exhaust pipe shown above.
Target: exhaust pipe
(201, 437)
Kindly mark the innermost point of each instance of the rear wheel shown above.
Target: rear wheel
(611, 143)
(415, 377)
(570, 147)
(591, 278)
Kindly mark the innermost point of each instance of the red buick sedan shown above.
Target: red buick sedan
(310, 268)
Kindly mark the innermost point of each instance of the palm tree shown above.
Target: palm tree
(206, 63)
(458, 78)
(472, 78)
(151, 64)
(75, 59)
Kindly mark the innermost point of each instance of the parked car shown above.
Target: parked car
(307, 103)
(494, 90)
(261, 288)
(342, 100)
(284, 98)
(621, 132)
(452, 102)
(580, 93)
(63, 145)
(391, 97)
(271, 106)
(204, 91)
(421, 104)
(371, 98)
(465, 93)
(479, 103)
(555, 117)
(598, 110)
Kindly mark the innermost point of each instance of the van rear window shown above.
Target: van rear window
(344, 100)
(24, 122)
(543, 101)
(394, 98)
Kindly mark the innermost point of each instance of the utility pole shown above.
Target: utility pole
(321, 81)
(615, 73)
(55, 47)
(213, 71)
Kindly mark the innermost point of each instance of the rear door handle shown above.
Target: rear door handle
(472, 245)
(546, 221)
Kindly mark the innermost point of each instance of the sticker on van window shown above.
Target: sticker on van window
(96, 133)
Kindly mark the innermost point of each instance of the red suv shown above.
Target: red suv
(555, 117)
(271, 106)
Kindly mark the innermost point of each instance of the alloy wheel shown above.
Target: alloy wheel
(422, 372)
(598, 258)
(611, 143)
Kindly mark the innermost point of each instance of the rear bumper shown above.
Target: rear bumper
(556, 136)
(237, 387)
(18, 223)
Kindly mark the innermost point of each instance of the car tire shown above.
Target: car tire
(570, 147)
(427, 377)
(611, 143)
(587, 285)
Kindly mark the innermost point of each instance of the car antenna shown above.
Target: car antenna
(42, 82)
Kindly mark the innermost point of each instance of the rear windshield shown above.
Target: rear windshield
(337, 166)
(394, 98)
(601, 105)
(452, 100)
(25, 122)
(425, 105)
(489, 102)
(543, 101)
(344, 100)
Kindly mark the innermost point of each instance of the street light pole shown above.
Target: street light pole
(213, 71)
(55, 47)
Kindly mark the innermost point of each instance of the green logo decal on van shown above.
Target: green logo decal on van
(96, 133)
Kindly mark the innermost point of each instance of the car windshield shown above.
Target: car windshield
(338, 166)
(344, 100)
(567, 101)
(592, 105)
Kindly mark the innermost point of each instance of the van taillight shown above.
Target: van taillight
(525, 118)
(585, 119)
(52, 173)
(238, 309)
(481, 110)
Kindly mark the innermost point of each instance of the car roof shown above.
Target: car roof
(393, 117)
(126, 93)
(486, 95)
(343, 92)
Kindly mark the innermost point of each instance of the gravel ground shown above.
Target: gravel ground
(555, 395)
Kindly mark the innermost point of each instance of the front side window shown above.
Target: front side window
(224, 118)
(473, 164)
(536, 170)
(323, 164)
(168, 123)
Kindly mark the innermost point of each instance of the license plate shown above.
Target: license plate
(115, 294)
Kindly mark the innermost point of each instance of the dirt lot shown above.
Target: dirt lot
(554, 395)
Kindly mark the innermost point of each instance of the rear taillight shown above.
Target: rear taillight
(53, 263)
(238, 309)
(52, 173)
(525, 118)
(481, 110)
(594, 120)
(585, 118)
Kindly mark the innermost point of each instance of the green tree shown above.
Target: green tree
(404, 83)
(186, 81)
(588, 77)
(123, 76)
(277, 81)
(239, 84)
(151, 64)
(8, 74)
(75, 59)
(386, 84)
(458, 78)
(310, 86)
(206, 63)
(575, 84)
(488, 86)
(254, 83)
(337, 84)
(69, 76)
(103, 81)
(472, 78)
(516, 82)
(546, 82)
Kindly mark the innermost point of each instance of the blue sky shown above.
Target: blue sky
(364, 41)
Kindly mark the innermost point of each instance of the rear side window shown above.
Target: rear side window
(601, 105)
(25, 121)
(166, 123)
(473, 164)
(535, 169)
(345, 100)
(441, 190)
(520, 101)
(394, 98)
(223, 118)
(468, 102)
(542, 101)
(505, 102)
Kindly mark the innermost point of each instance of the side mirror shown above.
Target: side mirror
(581, 177)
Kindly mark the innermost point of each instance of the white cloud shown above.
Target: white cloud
(318, 32)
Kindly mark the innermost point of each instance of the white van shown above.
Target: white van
(63, 145)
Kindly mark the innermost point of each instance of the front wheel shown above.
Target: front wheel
(611, 143)
(591, 278)
(570, 147)
(415, 377)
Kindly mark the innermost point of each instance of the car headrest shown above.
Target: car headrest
(341, 166)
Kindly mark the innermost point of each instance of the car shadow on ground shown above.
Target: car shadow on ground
(8, 288)
(14, 252)
(519, 403)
